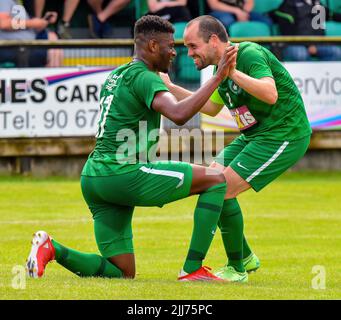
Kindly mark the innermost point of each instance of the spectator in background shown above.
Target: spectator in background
(15, 24)
(63, 28)
(294, 18)
(103, 10)
(230, 11)
(171, 10)
(197, 8)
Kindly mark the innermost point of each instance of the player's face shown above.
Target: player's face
(166, 52)
(202, 52)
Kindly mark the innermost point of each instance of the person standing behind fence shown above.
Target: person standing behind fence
(172, 10)
(63, 28)
(230, 11)
(98, 21)
(295, 18)
(15, 24)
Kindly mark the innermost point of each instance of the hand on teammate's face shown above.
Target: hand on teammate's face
(227, 62)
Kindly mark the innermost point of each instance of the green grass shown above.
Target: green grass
(292, 225)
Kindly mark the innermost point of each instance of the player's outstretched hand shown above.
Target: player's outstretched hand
(227, 62)
(165, 78)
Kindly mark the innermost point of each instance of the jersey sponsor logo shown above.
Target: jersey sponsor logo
(243, 117)
(241, 166)
(234, 87)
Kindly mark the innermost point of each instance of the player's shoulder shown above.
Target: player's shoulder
(130, 68)
(140, 71)
(248, 48)
(130, 72)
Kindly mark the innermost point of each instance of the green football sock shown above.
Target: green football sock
(85, 264)
(231, 225)
(206, 216)
(246, 248)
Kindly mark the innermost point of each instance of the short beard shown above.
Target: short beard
(165, 70)
(209, 60)
(203, 65)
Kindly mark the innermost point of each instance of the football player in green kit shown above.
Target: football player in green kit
(120, 173)
(269, 111)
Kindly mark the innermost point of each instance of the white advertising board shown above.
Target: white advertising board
(50, 102)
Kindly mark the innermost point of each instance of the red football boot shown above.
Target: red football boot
(42, 252)
(202, 274)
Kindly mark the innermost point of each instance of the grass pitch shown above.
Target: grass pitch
(293, 225)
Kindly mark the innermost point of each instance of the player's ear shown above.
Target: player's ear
(153, 45)
(214, 40)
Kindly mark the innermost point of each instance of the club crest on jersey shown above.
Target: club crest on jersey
(233, 87)
(112, 82)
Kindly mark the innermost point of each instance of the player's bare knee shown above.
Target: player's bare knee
(126, 263)
(129, 273)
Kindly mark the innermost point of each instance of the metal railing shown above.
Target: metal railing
(107, 50)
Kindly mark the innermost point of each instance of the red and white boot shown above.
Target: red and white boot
(42, 252)
(202, 274)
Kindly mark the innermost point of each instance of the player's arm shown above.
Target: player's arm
(263, 89)
(259, 81)
(181, 111)
(210, 108)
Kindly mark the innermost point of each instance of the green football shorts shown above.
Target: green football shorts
(111, 199)
(260, 162)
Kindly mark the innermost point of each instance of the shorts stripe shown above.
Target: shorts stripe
(266, 164)
(168, 173)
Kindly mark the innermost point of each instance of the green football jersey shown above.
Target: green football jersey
(128, 127)
(285, 120)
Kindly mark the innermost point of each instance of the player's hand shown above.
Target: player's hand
(233, 63)
(227, 61)
(165, 78)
